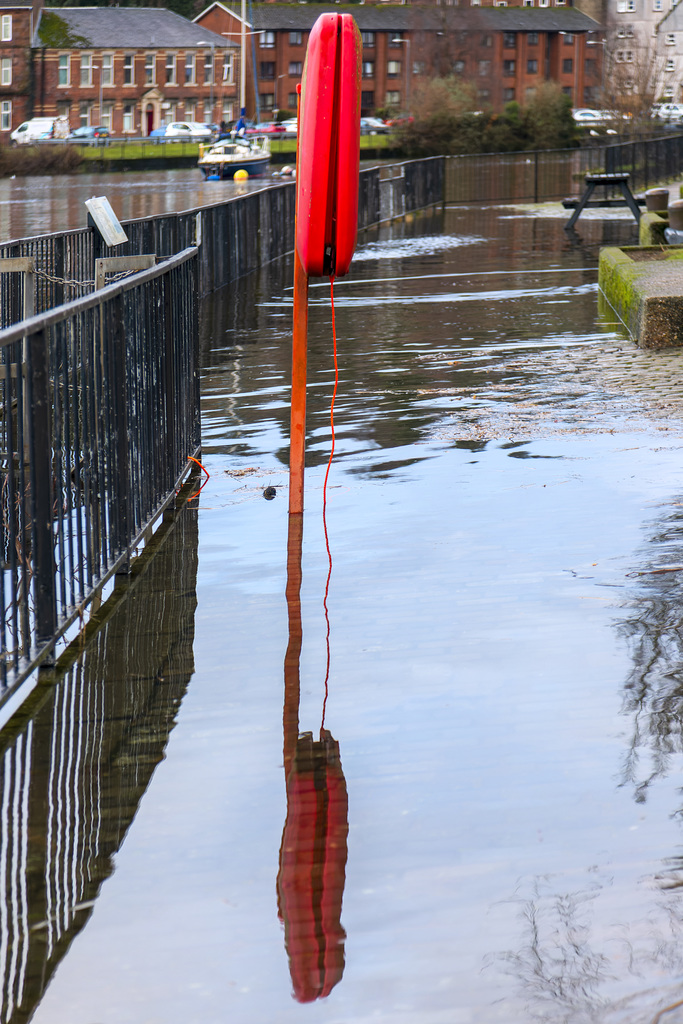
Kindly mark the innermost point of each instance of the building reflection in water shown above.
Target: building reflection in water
(310, 882)
(71, 781)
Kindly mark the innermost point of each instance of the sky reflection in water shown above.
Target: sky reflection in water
(505, 682)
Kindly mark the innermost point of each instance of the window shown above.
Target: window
(590, 68)
(670, 39)
(295, 38)
(529, 93)
(190, 110)
(459, 66)
(368, 38)
(669, 92)
(6, 71)
(171, 70)
(568, 39)
(227, 111)
(64, 109)
(419, 67)
(487, 41)
(267, 70)
(228, 69)
(267, 100)
(189, 72)
(624, 56)
(368, 69)
(267, 40)
(5, 115)
(484, 67)
(208, 68)
(625, 6)
(532, 67)
(508, 95)
(626, 32)
(64, 70)
(475, 3)
(567, 66)
(484, 95)
(528, 3)
(295, 68)
(150, 68)
(107, 63)
(508, 67)
(84, 112)
(208, 112)
(170, 112)
(128, 69)
(6, 28)
(670, 65)
(393, 68)
(396, 37)
(543, 3)
(532, 38)
(86, 71)
(657, 5)
(393, 98)
(509, 40)
(367, 100)
(291, 100)
(107, 116)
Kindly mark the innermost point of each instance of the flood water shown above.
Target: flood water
(502, 715)
(40, 204)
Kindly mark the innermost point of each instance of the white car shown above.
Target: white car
(670, 111)
(585, 115)
(187, 130)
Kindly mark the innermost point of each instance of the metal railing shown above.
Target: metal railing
(548, 175)
(237, 235)
(99, 413)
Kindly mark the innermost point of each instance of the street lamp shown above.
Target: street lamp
(603, 43)
(98, 67)
(399, 42)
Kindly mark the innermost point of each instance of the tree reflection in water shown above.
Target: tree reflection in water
(572, 965)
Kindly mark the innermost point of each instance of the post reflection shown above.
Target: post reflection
(313, 852)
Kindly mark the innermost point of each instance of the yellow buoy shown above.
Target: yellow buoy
(240, 175)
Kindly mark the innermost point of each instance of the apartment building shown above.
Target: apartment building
(505, 51)
(127, 68)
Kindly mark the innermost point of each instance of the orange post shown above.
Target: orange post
(297, 431)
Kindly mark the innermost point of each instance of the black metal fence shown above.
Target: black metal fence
(236, 236)
(99, 414)
(548, 175)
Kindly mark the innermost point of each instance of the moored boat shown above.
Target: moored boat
(227, 156)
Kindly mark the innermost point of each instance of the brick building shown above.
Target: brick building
(505, 51)
(128, 68)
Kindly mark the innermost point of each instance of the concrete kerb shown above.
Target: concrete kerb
(644, 287)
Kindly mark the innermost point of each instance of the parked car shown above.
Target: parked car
(39, 128)
(585, 115)
(290, 126)
(188, 130)
(670, 111)
(373, 126)
(89, 133)
(266, 128)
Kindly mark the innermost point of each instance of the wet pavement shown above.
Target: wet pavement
(502, 712)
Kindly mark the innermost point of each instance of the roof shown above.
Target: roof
(402, 17)
(120, 27)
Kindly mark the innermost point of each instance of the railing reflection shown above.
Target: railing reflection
(310, 882)
(71, 781)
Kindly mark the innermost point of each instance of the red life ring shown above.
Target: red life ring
(329, 147)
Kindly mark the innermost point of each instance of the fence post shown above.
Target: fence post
(536, 176)
(41, 486)
(119, 395)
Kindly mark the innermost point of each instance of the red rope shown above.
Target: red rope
(196, 494)
(327, 473)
